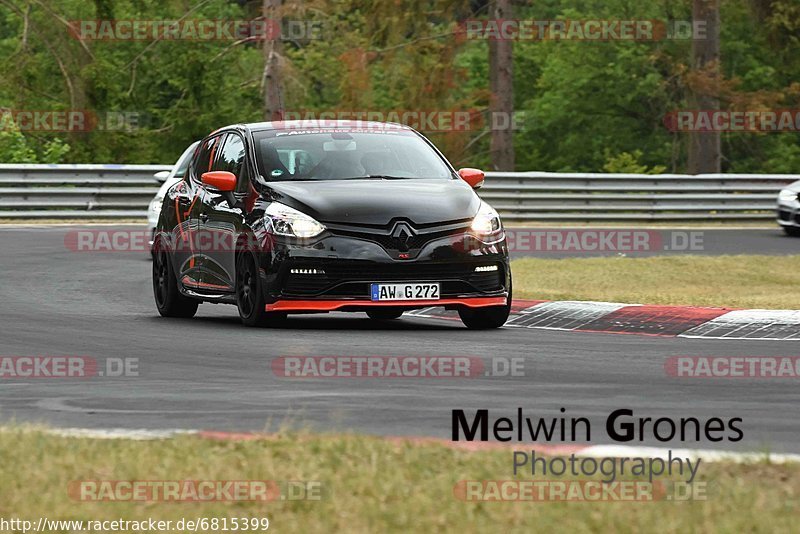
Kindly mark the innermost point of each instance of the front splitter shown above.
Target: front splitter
(333, 305)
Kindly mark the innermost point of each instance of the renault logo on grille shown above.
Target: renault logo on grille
(402, 234)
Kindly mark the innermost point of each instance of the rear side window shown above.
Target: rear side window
(231, 159)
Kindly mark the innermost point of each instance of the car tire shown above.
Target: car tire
(384, 314)
(169, 300)
(249, 296)
(486, 318)
(792, 231)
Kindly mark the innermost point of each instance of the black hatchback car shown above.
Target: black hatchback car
(299, 217)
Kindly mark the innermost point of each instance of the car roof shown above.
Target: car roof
(315, 124)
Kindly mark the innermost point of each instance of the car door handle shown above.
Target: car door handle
(203, 217)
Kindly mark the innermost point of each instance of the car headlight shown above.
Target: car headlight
(283, 220)
(486, 223)
(788, 196)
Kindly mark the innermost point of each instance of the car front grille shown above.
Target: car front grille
(784, 215)
(401, 235)
(353, 278)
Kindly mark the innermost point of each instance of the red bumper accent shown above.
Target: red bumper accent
(332, 305)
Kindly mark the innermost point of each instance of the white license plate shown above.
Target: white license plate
(405, 291)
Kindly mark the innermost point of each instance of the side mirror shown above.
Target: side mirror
(161, 176)
(474, 177)
(222, 181)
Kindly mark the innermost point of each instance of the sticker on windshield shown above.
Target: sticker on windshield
(328, 131)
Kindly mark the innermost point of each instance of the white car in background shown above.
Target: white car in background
(168, 179)
(789, 209)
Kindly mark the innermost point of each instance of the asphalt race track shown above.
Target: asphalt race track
(211, 373)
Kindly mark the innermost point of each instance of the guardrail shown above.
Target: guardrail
(30, 191)
(546, 196)
(124, 191)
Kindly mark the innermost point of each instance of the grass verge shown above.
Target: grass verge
(370, 485)
(769, 282)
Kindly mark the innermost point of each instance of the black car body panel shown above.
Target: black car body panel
(376, 230)
(377, 202)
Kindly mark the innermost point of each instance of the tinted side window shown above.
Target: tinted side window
(205, 156)
(231, 159)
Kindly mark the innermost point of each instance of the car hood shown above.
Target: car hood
(794, 186)
(377, 202)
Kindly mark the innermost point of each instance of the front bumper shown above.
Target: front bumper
(296, 306)
(336, 272)
(788, 214)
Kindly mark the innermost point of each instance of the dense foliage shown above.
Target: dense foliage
(581, 106)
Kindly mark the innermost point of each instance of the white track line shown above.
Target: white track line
(624, 451)
(140, 434)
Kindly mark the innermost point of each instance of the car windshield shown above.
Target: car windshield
(346, 154)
